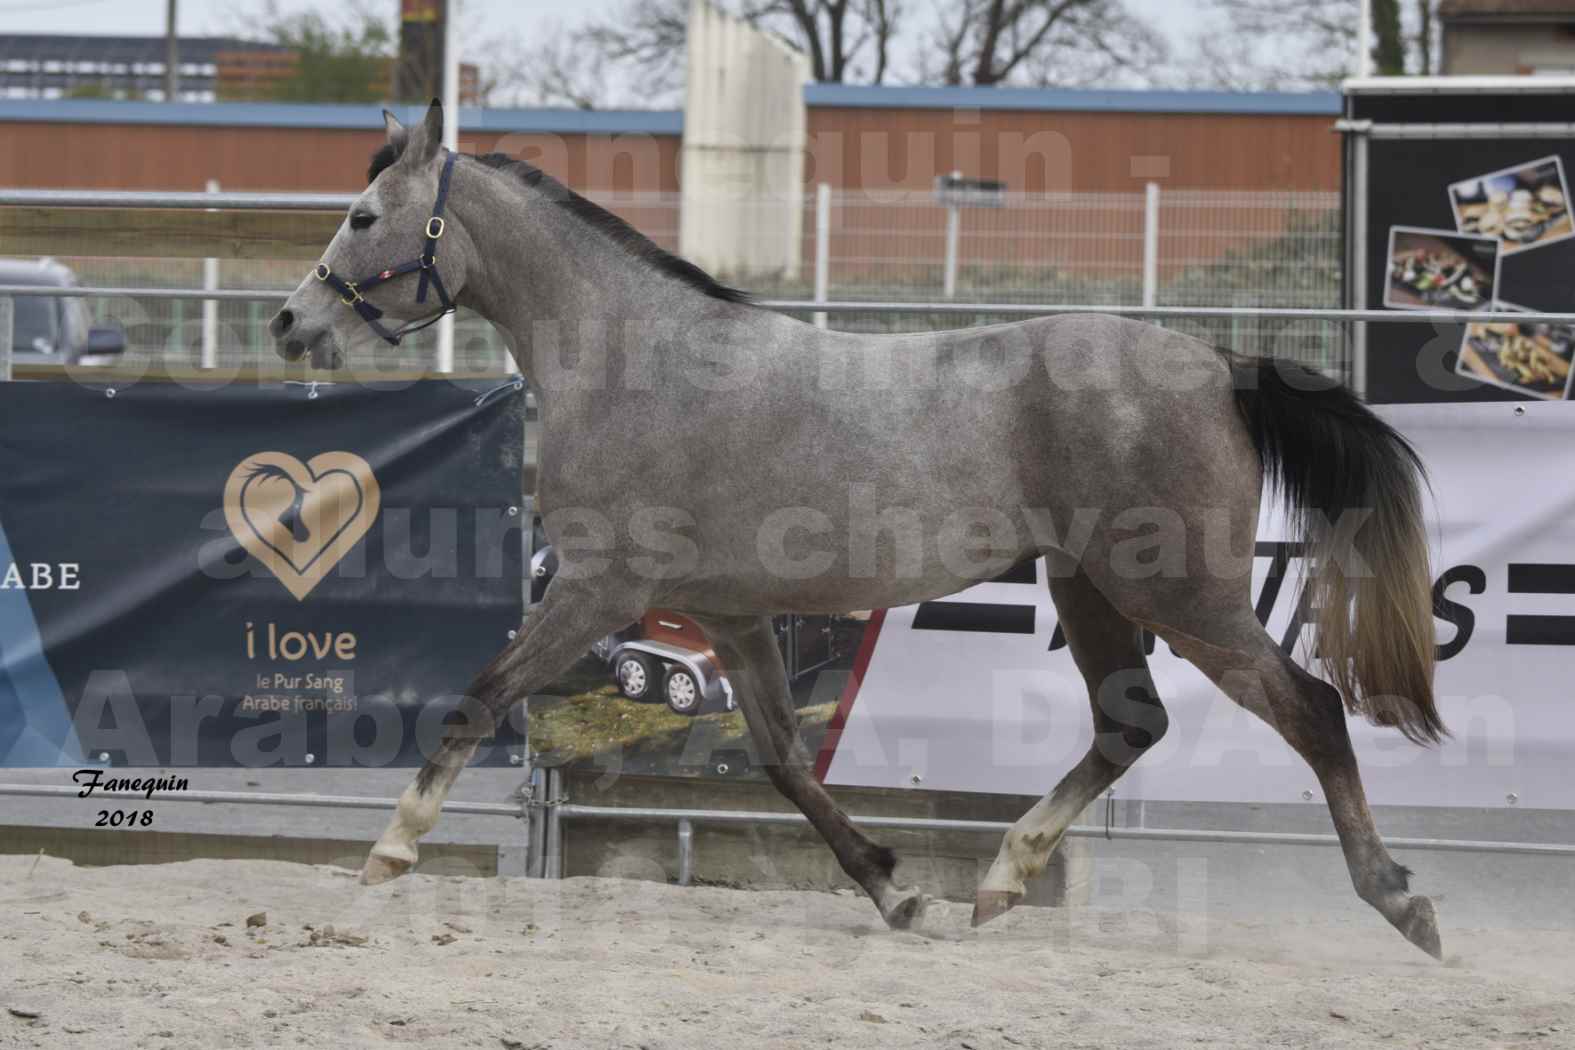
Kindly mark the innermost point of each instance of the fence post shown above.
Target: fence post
(445, 326)
(553, 847)
(253, 328)
(822, 248)
(1151, 245)
(445, 344)
(210, 307)
(5, 339)
(536, 824)
(953, 220)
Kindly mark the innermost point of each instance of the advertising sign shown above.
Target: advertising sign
(251, 576)
(1467, 199)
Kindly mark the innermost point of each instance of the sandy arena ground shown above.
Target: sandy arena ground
(162, 956)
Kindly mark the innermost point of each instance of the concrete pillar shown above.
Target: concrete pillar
(743, 150)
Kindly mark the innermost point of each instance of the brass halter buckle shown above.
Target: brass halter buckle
(435, 227)
(354, 296)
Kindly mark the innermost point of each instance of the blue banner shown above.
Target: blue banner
(252, 576)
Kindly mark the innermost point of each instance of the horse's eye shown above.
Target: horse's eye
(361, 220)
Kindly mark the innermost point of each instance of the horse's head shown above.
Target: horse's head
(397, 262)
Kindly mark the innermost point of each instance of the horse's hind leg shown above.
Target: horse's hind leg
(1128, 720)
(569, 621)
(1244, 661)
(748, 648)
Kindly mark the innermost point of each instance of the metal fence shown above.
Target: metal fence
(1196, 248)
(1169, 248)
(541, 805)
(1214, 248)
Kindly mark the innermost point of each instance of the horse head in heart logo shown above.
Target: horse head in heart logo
(299, 519)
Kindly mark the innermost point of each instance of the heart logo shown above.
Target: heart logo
(299, 519)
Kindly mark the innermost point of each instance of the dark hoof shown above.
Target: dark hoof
(1420, 927)
(990, 904)
(908, 912)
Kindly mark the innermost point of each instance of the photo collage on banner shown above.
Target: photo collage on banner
(1514, 211)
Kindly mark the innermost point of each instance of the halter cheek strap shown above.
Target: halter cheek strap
(351, 292)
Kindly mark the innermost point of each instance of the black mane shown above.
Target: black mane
(592, 214)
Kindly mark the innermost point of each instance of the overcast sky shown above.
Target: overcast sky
(520, 18)
(217, 17)
(212, 17)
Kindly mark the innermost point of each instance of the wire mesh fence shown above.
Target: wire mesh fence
(1033, 248)
(1255, 249)
(1214, 249)
(1240, 249)
(172, 331)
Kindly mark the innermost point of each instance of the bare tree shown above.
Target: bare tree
(643, 44)
(1120, 50)
(1277, 44)
(832, 33)
(646, 40)
(882, 17)
(639, 62)
(1043, 42)
(1293, 44)
(556, 72)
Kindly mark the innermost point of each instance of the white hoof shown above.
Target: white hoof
(380, 868)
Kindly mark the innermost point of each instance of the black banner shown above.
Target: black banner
(252, 576)
(1467, 222)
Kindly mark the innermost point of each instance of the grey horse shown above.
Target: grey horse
(709, 456)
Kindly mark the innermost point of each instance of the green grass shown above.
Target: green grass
(593, 726)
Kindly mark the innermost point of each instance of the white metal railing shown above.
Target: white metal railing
(189, 201)
(1328, 353)
(685, 818)
(965, 309)
(539, 803)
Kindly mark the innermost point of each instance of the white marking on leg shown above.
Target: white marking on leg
(1027, 846)
(416, 815)
(418, 812)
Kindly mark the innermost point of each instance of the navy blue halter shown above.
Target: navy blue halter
(350, 292)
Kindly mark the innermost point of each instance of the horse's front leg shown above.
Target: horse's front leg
(748, 648)
(571, 618)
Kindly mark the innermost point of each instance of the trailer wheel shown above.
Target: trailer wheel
(682, 690)
(636, 675)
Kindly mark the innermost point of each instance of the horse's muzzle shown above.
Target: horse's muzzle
(322, 349)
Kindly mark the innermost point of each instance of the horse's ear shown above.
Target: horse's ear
(426, 140)
(397, 135)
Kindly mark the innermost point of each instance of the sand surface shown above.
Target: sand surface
(162, 956)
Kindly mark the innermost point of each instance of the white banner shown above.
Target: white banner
(987, 698)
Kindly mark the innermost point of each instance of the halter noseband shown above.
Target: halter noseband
(350, 292)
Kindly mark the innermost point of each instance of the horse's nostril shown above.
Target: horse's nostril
(282, 322)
